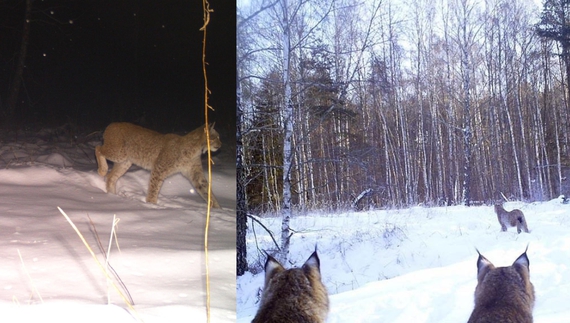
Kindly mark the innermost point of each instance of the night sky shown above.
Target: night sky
(91, 62)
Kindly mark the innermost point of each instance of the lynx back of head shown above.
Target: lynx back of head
(293, 295)
(503, 294)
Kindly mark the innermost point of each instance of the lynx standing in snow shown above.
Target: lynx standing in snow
(125, 144)
(503, 294)
(510, 219)
(293, 295)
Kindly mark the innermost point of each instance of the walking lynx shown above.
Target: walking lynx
(503, 294)
(293, 295)
(510, 219)
(125, 144)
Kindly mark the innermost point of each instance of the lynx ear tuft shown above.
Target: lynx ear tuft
(210, 126)
(272, 266)
(523, 260)
(313, 262)
(483, 262)
(483, 267)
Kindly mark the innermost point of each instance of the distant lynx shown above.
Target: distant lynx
(510, 219)
(503, 294)
(164, 155)
(294, 295)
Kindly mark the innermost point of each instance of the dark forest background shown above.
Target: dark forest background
(89, 63)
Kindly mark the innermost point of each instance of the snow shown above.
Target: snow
(418, 264)
(161, 260)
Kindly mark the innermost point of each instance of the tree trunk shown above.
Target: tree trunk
(17, 80)
(514, 147)
(241, 210)
(467, 130)
(287, 137)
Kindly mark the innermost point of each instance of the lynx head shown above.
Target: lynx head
(311, 266)
(520, 267)
(293, 295)
(215, 142)
(499, 206)
(501, 289)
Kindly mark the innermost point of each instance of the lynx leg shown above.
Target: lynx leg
(119, 169)
(101, 161)
(196, 177)
(521, 225)
(503, 225)
(154, 185)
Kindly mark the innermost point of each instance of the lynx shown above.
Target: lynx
(510, 219)
(293, 295)
(503, 294)
(164, 155)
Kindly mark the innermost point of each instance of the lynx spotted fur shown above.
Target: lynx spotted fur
(503, 294)
(163, 154)
(293, 295)
(510, 218)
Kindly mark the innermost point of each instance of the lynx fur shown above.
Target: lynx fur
(293, 295)
(503, 294)
(125, 144)
(510, 219)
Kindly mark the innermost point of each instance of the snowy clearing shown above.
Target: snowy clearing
(161, 259)
(418, 264)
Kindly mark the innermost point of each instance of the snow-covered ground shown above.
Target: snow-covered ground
(161, 260)
(418, 264)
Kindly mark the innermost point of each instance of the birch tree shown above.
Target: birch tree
(287, 116)
(466, 34)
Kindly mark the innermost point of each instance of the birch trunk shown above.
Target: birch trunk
(287, 136)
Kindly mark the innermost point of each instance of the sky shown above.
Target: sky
(93, 62)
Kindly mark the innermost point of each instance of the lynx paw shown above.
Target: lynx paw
(215, 204)
(111, 187)
(102, 172)
(152, 199)
(101, 161)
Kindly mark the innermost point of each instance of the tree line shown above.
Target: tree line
(387, 103)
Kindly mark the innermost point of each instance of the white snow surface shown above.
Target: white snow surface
(417, 264)
(160, 256)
